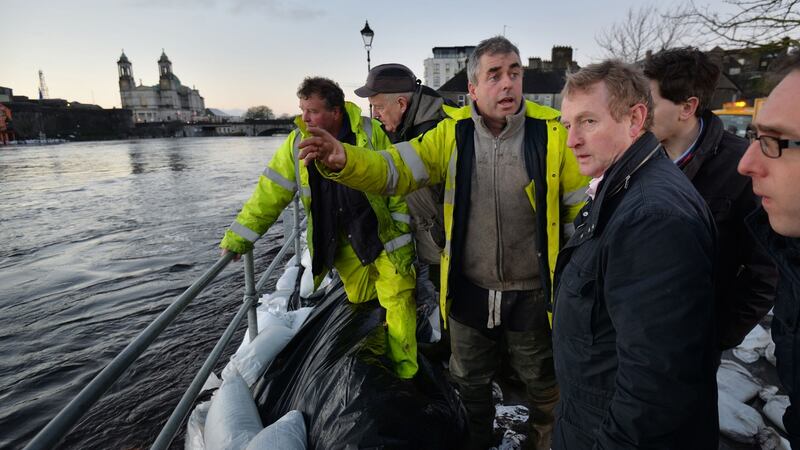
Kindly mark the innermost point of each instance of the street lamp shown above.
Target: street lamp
(367, 34)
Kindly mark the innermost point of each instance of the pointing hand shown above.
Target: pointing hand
(323, 147)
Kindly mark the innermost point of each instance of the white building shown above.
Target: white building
(446, 62)
(167, 101)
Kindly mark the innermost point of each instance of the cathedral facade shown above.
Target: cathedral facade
(169, 100)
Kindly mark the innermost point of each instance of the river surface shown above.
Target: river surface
(96, 240)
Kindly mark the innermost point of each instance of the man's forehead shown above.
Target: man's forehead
(487, 65)
(780, 114)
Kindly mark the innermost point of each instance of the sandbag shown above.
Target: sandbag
(336, 373)
(195, 427)
(774, 407)
(737, 420)
(737, 381)
(232, 419)
(254, 357)
(288, 433)
(753, 346)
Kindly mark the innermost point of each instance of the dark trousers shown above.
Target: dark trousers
(475, 361)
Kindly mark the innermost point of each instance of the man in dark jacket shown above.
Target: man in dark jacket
(682, 82)
(407, 108)
(773, 162)
(633, 349)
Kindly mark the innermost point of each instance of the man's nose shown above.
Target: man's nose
(573, 139)
(751, 163)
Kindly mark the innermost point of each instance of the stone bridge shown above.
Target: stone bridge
(247, 128)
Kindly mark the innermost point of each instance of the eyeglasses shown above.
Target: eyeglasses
(771, 147)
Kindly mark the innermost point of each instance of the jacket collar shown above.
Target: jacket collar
(616, 179)
(784, 251)
(424, 106)
(514, 123)
(707, 143)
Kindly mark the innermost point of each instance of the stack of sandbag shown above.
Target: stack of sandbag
(230, 420)
(233, 423)
(336, 373)
(740, 421)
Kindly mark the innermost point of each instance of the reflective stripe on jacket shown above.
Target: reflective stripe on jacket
(432, 159)
(278, 183)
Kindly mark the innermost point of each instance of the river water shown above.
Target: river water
(96, 240)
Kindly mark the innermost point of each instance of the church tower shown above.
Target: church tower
(165, 75)
(125, 67)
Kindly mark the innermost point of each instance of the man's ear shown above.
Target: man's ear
(689, 108)
(638, 118)
(403, 101)
(471, 89)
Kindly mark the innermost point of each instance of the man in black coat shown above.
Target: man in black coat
(682, 82)
(773, 163)
(633, 333)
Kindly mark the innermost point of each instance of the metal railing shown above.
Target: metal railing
(66, 419)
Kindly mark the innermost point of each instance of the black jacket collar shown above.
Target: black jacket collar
(708, 143)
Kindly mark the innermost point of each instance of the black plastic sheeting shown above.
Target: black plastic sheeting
(335, 372)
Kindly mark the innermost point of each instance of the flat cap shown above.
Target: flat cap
(388, 79)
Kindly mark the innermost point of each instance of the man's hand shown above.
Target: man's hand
(323, 147)
(225, 251)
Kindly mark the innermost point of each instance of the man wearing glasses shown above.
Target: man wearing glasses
(773, 162)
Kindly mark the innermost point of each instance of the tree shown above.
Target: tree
(645, 29)
(754, 23)
(259, 112)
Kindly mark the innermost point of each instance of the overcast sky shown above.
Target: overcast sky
(241, 53)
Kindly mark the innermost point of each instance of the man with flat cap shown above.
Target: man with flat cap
(407, 109)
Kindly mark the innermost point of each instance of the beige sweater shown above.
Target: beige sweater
(500, 247)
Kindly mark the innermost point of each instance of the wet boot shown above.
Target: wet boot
(540, 420)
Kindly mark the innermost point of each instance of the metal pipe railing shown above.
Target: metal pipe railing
(281, 253)
(250, 295)
(180, 412)
(57, 428)
(66, 419)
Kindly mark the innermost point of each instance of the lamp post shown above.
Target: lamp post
(367, 34)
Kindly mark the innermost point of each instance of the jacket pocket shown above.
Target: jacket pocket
(575, 303)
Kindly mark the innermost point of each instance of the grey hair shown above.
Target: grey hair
(492, 46)
(390, 96)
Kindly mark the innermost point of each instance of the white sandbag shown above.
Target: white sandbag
(194, 427)
(737, 420)
(774, 407)
(287, 433)
(769, 353)
(769, 439)
(306, 259)
(232, 419)
(254, 357)
(307, 283)
(287, 280)
(737, 381)
(753, 346)
(266, 319)
(299, 317)
(212, 382)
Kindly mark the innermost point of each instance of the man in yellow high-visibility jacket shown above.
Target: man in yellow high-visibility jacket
(367, 238)
(512, 190)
